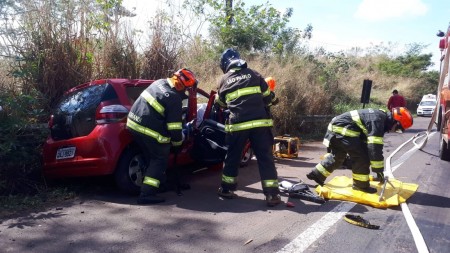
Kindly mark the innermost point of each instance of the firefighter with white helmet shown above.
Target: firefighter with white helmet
(359, 134)
(155, 121)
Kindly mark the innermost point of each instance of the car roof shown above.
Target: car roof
(429, 97)
(113, 82)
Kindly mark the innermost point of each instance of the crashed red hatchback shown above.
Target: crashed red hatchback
(88, 136)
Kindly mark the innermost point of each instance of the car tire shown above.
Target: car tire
(247, 157)
(439, 117)
(128, 174)
(444, 151)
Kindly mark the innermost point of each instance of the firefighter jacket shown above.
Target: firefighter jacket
(367, 124)
(246, 94)
(157, 113)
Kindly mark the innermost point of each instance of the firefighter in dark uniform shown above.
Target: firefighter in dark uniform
(155, 121)
(359, 134)
(247, 96)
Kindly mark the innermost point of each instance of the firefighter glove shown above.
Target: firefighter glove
(275, 101)
(188, 129)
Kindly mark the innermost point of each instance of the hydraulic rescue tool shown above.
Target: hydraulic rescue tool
(299, 191)
(386, 181)
(359, 221)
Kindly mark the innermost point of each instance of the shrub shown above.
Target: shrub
(21, 138)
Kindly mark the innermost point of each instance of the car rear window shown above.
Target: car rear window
(74, 116)
(133, 92)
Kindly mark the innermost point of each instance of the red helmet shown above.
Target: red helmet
(186, 77)
(402, 116)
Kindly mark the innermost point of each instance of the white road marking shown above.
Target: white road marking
(310, 235)
(418, 238)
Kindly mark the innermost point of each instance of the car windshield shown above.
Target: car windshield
(428, 103)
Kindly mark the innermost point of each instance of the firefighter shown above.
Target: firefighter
(155, 121)
(247, 96)
(359, 134)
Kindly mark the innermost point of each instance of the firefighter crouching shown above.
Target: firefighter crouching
(359, 134)
(155, 121)
(247, 96)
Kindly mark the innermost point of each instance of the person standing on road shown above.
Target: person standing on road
(246, 94)
(359, 134)
(155, 121)
(396, 100)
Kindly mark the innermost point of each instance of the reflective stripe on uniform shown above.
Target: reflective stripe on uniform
(266, 93)
(322, 170)
(147, 131)
(270, 183)
(375, 140)
(357, 120)
(242, 92)
(344, 131)
(361, 177)
(151, 181)
(177, 143)
(377, 164)
(249, 125)
(153, 102)
(174, 126)
(228, 180)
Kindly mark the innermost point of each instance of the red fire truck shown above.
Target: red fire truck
(443, 112)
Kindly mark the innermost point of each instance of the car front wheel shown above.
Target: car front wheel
(129, 173)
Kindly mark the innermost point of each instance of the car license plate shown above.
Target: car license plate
(65, 153)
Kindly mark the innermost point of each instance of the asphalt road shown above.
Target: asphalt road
(199, 221)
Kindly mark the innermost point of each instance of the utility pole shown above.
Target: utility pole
(229, 11)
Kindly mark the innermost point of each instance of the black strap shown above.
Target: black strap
(359, 221)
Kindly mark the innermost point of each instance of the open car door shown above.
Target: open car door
(209, 140)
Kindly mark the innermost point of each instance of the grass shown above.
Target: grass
(16, 204)
(57, 192)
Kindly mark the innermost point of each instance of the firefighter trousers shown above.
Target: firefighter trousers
(356, 149)
(156, 158)
(261, 140)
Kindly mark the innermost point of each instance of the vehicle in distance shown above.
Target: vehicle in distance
(427, 105)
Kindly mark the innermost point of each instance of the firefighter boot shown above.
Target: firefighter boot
(313, 176)
(367, 189)
(227, 194)
(149, 199)
(273, 199)
(148, 196)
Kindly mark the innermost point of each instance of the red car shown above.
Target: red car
(88, 136)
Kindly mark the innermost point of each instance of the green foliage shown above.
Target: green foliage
(256, 28)
(11, 204)
(20, 142)
(411, 64)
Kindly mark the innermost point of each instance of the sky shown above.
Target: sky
(342, 24)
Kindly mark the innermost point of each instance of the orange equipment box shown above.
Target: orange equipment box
(286, 146)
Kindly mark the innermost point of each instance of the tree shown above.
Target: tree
(58, 44)
(260, 28)
(410, 64)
